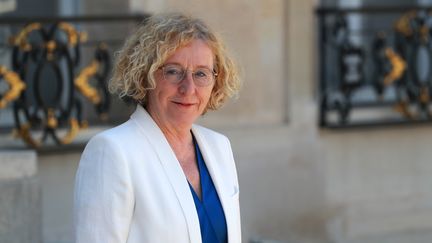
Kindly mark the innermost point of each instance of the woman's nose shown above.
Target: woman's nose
(187, 85)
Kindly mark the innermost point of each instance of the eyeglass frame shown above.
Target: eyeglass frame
(185, 71)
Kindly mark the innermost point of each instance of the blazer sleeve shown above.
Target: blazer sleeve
(103, 197)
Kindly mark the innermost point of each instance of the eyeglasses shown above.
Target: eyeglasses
(174, 74)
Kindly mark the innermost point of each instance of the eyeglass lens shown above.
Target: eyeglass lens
(175, 74)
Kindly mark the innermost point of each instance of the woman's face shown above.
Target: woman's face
(179, 105)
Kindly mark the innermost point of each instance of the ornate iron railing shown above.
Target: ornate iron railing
(44, 80)
(375, 66)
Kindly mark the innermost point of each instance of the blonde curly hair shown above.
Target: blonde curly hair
(156, 39)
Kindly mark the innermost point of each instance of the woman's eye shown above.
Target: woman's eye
(172, 71)
(201, 74)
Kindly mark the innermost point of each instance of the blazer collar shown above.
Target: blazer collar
(172, 169)
(218, 178)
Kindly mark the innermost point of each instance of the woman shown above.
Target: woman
(158, 177)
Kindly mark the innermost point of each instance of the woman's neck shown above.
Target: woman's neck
(174, 133)
(177, 136)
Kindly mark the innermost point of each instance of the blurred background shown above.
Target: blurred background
(331, 130)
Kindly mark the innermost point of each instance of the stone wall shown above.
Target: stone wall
(378, 180)
(20, 198)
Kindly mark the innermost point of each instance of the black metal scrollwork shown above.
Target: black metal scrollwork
(16, 86)
(350, 72)
(396, 64)
(45, 59)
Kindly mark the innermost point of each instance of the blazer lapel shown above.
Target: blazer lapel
(172, 169)
(218, 180)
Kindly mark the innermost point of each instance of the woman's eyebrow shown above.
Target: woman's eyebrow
(178, 64)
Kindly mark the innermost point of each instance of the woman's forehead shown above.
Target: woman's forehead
(195, 53)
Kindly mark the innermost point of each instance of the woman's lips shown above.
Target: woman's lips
(183, 104)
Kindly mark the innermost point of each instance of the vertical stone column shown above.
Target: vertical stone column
(20, 198)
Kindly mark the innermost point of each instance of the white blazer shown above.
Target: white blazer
(131, 188)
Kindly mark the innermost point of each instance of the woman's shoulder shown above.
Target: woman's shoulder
(116, 135)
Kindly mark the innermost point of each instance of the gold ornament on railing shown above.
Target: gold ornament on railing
(424, 33)
(403, 108)
(74, 127)
(82, 82)
(15, 83)
(73, 131)
(398, 66)
(73, 35)
(21, 38)
(424, 95)
(24, 133)
(50, 46)
(51, 119)
(403, 24)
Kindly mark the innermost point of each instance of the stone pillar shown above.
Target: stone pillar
(20, 198)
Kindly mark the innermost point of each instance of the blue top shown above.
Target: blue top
(210, 212)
